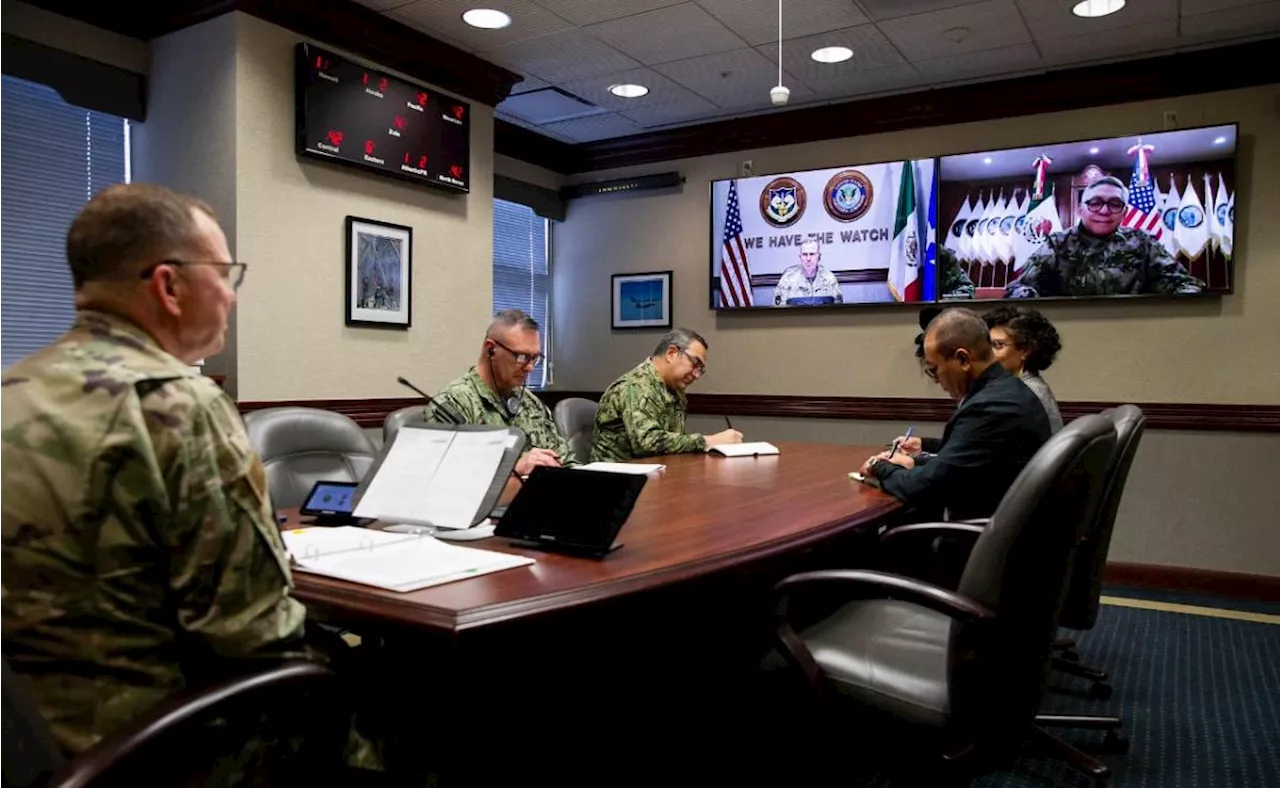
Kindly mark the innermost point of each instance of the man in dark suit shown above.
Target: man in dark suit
(997, 427)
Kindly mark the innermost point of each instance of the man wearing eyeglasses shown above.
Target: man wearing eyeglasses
(141, 554)
(1101, 257)
(642, 413)
(494, 392)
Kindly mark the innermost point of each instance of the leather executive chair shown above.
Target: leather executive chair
(963, 670)
(398, 418)
(302, 446)
(575, 417)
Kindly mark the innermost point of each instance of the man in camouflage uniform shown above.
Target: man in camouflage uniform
(808, 279)
(642, 413)
(494, 392)
(953, 281)
(1099, 257)
(140, 553)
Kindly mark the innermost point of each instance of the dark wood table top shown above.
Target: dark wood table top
(702, 514)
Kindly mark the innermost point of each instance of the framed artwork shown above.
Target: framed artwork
(642, 300)
(379, 274)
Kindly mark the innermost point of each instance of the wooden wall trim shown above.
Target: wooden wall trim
(1265, 588)
(1161, 416)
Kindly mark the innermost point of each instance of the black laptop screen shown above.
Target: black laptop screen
(582, 508)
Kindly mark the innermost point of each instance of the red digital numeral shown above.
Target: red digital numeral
(422, 162)
(365, 79)
(400, 122)
(422, 99)
(458, 111)
(456, 170)
(382, 84)
(335, 137)
(368, 147)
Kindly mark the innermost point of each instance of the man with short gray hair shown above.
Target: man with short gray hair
(642, 413)
(808, 283)
(1101, 257)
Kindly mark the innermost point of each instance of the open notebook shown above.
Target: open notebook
(394, 561)
(744, 449)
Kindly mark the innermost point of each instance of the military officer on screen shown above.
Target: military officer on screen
(1099, 257)
(807, 280)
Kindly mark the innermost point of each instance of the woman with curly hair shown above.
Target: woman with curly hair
(1026, 344)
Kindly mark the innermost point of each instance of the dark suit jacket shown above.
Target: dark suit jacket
(991, 436)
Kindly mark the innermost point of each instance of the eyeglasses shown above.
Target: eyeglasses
(522, 359)
(932, 371)
(1000, 344)
(699, 366)
(234, 271)
(1113, 205)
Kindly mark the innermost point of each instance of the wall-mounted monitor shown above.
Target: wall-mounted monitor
(1139, 215)
(350, 114)
(856, 234)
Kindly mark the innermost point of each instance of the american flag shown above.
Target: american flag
(1142, 213)
(735, 276)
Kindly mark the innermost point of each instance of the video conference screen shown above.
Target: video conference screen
(1148, 214)
(858, 234)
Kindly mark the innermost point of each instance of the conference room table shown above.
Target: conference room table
(578, 638)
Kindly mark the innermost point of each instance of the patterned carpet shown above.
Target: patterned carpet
(1199, 694)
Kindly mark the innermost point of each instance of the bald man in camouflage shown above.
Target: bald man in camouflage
(141, 556)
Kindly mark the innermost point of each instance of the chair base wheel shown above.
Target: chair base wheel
(1101, 691)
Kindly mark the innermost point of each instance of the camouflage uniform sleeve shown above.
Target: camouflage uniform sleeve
(229, 574)
(1167, 274)
(1028, 282)
(641, 417)
(955, 282)
(453, 403)
(779, 292)
(834, 283)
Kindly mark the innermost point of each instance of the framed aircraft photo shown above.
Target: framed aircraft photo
(642, 300)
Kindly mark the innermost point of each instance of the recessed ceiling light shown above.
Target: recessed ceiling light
(832, 54)
(628, 91)
(1094, 8)
(987, 160)
(486, 18)
(1219, 140)
(1093, 150)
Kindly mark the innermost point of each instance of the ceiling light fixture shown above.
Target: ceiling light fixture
(987, 160)
(780, 92)
(832, 54)
(1093, 151)
(1090, 9)
(1220, 141)
(486, 18)
(628, 90)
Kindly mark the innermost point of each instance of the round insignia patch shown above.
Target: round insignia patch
(1221, 211)
(1191, 216)
(847, 195)
(1006, 224)
(782, 201)
(971, 228)
(1020, 223)
(957, 229)
(1170, 219)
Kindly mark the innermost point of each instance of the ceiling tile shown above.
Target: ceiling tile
(1049, 19)
(864, 82)
(1194, 7)
(596, 127)
(756, 21)
(989, 62)
(732, 80)
(596, 89)
(589, 12)
(1243, 21)
(689, 109)
(673, 33)
(990, 25)
(383, 5)
(445, 17)
(881, 10)
(529, 83)
(531, 126)
(1109, 44)
(561, 57)
(871, 50)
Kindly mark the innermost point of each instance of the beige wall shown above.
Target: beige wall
(1211, 350)
(290, 217)
(70, 35)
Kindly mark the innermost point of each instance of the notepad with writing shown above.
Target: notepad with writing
(744, 449)
(394, 561)
(637, 468)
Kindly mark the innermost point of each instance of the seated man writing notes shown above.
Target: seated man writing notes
(642, 413)
(997, 426)
(494, 392)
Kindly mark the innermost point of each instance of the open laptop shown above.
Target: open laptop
(571, 511)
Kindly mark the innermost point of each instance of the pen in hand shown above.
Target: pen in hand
(729, 423)
(897, 444)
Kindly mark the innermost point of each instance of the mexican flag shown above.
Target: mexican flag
(905, 252)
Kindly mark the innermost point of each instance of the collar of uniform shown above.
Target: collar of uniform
(486, 392)
(121, 331)
(661, 384)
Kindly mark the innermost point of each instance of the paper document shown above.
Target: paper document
(639, 469)
(394, 561)
(744, 449)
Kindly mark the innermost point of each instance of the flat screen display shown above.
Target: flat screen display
(854, 234)
(350, 114)
(1137, 215)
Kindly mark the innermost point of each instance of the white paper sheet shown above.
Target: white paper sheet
(400, 489)
(413, 562)
(639, 469)
(461, 482)
(744, 449)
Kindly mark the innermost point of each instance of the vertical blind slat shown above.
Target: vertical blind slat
(521, 279)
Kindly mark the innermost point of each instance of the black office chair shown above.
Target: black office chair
(398, 418)
(302, 446)
(965, 670)
(575, 417)
(170, 745)
(1080, 611)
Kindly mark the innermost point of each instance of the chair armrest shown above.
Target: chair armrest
(96, 763)
(974, 521)
(970, 532)
(866, 584)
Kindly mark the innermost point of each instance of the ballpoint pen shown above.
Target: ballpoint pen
(896, 444)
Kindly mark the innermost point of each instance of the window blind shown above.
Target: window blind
(56, 156)
(521, 279)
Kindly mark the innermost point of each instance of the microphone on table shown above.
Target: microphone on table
(453, 417)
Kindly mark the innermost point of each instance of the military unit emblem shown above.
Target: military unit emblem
(1191, 216)
(847, 195)
(782, 202)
